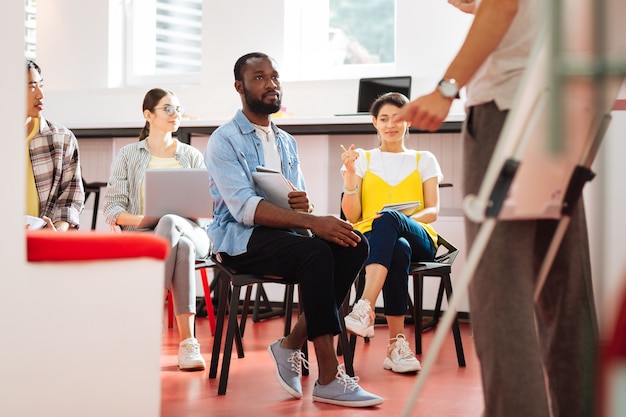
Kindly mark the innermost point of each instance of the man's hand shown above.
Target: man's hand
(426, 112)
(299, 201)
(335, 230)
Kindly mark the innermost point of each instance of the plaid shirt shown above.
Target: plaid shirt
(56, 165)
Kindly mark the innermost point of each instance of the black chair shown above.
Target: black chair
(441, 267)
(93, 188)
(231, 282)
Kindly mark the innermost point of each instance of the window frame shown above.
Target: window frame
(141, 32)
(306, 24)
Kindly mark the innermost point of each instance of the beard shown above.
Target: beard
(258, 105)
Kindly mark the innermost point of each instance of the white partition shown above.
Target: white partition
(94, 341)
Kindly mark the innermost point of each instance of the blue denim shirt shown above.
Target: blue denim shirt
(232, 154)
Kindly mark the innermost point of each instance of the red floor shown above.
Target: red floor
(254, 391)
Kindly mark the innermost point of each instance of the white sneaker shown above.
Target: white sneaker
(400, 358)
(189, 357)
(360, 321)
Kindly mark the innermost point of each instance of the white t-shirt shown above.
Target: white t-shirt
(395, 167)
(270, 150)
(498, 79)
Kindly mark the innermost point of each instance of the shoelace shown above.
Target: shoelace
(348, 382)
(298, 360)
(360, 310)
(191, 349)
(403, 348)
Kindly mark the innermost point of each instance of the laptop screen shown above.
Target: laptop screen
(371, 88)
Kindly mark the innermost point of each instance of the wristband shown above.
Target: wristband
(348, 192)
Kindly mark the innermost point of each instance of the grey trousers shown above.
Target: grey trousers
(537, 360)
(188, 242)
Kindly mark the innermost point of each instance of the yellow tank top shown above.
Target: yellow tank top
(32, 197)
(376, 192)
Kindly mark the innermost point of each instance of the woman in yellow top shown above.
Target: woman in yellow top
(390, 174)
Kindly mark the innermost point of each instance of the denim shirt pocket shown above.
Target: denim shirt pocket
(249, 159)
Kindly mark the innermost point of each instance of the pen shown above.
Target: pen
(344, 148)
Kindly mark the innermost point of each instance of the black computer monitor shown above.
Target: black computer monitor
(372, 88)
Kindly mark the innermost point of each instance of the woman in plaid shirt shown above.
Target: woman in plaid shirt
(54, 187)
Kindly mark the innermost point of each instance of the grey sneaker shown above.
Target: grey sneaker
(345, 391)
(189, 357)
(289, 363)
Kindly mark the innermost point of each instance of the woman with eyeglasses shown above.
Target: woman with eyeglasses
(123, 209)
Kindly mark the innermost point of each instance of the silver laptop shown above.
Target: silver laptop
(184, 192)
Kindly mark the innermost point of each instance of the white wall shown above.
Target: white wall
(14, 281)
(77, 81)
(34, 375)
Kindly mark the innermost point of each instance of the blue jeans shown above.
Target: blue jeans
(324, 270)
(395, 241)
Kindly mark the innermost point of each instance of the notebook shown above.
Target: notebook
(35, 223)
(276, 189)
(409, 208)
(184, 192)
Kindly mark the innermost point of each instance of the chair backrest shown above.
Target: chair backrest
(449, 255)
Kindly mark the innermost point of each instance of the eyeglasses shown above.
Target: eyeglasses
(171, 110)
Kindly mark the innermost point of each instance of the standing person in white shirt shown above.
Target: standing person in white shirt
(537, 360)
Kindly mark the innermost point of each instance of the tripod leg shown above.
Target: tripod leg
(443, 329)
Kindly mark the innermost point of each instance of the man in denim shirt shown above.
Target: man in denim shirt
(253, 235)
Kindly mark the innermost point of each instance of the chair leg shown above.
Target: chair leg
(288, 307)
(418, 296)
(170, 311)
(438, 303)
(244, 310)
(222, 306)
(262, 300)
(94, 215)
(305, 346)
(208, 300)
(458, 343)
(346, 350)
(232, 330)
(219, 327)
(359, 287)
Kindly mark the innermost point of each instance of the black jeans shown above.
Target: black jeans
(325, 271)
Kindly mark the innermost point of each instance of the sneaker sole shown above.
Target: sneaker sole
(193, 368)
(367, 332)
(401, 369)
(366, 403)
(286, 386)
